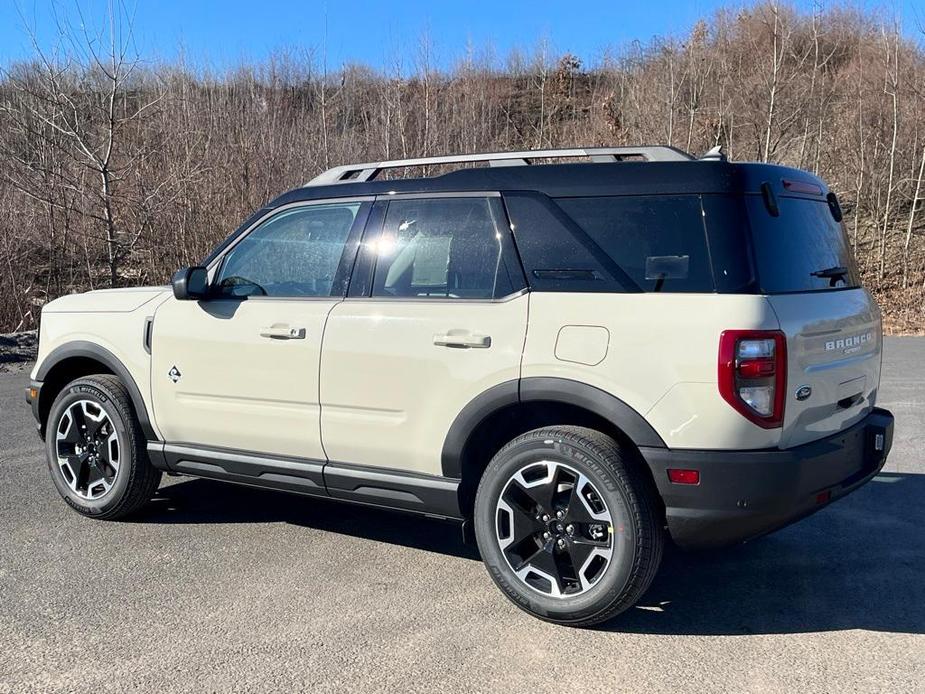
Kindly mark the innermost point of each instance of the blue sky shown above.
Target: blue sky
(224, 33)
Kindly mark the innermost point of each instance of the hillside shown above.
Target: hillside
(115, 170)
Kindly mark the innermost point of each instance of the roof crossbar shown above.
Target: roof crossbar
(356, 173)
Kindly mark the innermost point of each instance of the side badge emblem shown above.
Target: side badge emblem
(174, 374)
(803, 392)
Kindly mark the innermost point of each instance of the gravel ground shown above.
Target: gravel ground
(220, 588)
(17, 350)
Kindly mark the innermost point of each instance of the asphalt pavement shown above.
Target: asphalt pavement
(223, 588)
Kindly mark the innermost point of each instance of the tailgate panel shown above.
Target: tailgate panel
(833, 346)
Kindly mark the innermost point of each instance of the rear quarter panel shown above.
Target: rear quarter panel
(660, 358)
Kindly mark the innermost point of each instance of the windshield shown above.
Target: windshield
(802, 249)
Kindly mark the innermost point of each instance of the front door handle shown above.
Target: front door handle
(283, 332)
(464, 340)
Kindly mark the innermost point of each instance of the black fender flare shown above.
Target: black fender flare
(542, 389)
(89, 350)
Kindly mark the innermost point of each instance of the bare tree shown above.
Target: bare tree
(83, 103)
(891, 41)
(116, 171)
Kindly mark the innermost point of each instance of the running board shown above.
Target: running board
(431, 495)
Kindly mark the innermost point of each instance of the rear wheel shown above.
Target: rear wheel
(96, 450)
(567, 526)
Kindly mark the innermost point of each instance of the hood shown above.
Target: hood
(105, 300)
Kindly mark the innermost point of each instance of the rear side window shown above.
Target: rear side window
(658, 241)
(727, 235)
(801, 249)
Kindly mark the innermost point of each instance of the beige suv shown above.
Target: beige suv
(577, 361)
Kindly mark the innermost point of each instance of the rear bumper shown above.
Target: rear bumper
(744, 494)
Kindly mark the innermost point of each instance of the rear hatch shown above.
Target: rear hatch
(804, 264)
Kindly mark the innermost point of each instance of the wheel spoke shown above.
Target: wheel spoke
(580, 509)
(75, 428)
(95, 475)
(543, 561)
(577, 512)
(73, 434)
(540, 494)
(78, 466)
(523, 523)
(106, 450)
(78, 417)
(543, 492)
(569, 570)
(515, 495)
(579, 551)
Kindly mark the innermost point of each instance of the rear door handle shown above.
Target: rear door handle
(465, 340)
(283, 332)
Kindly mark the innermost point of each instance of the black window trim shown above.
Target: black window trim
(361, 279)
(344, 266)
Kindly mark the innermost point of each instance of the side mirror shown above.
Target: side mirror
(190, 283)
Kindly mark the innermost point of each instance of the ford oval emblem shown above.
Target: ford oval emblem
(803, 393)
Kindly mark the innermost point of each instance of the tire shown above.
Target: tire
(96, 449)
(588, 478)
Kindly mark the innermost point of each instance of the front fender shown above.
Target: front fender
(81, 349)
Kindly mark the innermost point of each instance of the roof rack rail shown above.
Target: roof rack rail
(356, 173)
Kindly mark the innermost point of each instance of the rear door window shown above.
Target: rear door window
(658, 241)
(802, 249)
(444, 248)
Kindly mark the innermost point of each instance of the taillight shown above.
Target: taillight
(753, 374)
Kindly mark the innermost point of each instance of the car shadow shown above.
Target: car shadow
(194, 501)
(858, 564)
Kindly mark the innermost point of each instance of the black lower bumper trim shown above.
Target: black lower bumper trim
(744, 494)
(33, 400)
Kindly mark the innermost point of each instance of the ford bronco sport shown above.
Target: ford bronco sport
(577, 361)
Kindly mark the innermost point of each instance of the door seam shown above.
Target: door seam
(324, 330)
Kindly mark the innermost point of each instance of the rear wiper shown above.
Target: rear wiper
(833, 274)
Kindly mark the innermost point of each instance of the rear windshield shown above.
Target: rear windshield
(802, 249)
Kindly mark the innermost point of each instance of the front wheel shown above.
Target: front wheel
(567, 526)
(96, 449)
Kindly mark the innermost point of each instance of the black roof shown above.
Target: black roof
(578, 180)
(568, 180)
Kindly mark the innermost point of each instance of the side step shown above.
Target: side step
(430, 495)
